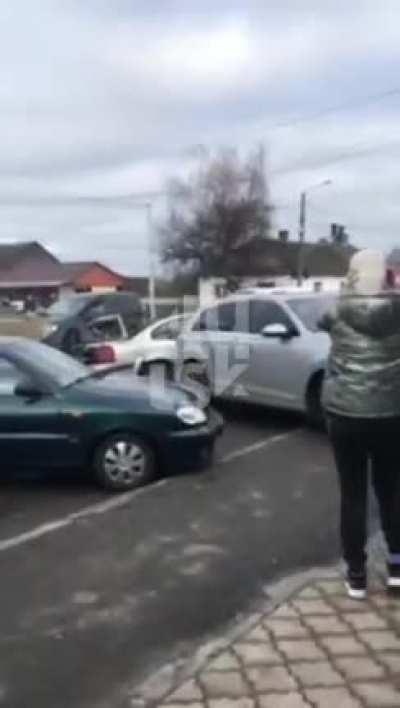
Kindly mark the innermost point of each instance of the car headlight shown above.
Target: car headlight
(191, 415)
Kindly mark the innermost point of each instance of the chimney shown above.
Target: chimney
(334, 232)
(339, 235)
(283, 235)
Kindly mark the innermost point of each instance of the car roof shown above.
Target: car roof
(170, 318)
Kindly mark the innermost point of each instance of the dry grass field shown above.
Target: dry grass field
(21, 326)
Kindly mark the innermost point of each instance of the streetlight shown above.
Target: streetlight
(302, 226)
(152, 269)
(148, 206)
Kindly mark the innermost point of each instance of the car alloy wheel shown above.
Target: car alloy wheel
(124, 462)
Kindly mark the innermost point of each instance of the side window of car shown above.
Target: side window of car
(133, 323)
(267, 312)
(207, 321)
(168, 330)
(97, 309)
(9, 377)
(227, 317)
(108, 328)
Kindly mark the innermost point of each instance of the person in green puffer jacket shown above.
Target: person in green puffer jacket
(361, 396)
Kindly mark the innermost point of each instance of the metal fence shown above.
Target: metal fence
(166, 306)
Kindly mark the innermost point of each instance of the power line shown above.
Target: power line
(343, 157)
(374, 98)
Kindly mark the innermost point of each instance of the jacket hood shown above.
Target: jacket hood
(367, 273)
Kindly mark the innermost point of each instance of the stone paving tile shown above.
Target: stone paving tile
(346, 604)
(224, 662)
(378, 695)
(313, 607)
(332, 698)
(319, 673)
(231, 703)
(365, 620)
(326, 625)
(332, 587)
(286, 628)
(300, 650)
(258, 634)
(187, 693)
(385, 601)
(273, 678)
(185, 705)
(391, 661)
(381, 641)
(343, 645)
(223, 684)
(359, 668)
(254, 654)
(286, 612)
(309, 593)
(394, 615)
(282, 700)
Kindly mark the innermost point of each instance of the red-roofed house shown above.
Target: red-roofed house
(28, 270)
(83, 276)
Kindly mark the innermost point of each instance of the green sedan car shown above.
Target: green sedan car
(56, 414)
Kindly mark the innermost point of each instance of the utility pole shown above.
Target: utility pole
(302, 238)
(152, 273)
(302, 228)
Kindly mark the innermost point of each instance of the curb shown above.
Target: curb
(171, 675)
(167, 679)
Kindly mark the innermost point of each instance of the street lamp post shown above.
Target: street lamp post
(302, 228)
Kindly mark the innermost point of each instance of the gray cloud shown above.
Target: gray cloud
(99, 99)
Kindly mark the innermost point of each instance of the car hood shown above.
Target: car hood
(125, 389)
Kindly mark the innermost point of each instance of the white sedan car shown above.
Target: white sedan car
(153, 349)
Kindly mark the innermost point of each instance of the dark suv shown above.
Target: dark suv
(76, 320)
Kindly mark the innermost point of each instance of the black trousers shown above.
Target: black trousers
(360, 445)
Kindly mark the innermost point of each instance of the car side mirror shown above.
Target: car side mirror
(26, 388)
(277, 331)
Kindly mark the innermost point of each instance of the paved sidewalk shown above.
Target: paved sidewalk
(318, 649)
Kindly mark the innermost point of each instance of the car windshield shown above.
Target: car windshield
(67, 307)
(310, 310)
(51, 363)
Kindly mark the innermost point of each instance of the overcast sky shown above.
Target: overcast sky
(104, 98)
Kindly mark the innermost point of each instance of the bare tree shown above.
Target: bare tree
(221, 207)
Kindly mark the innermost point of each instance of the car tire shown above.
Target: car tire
(71, 343)
(315, 411)
(122, 462)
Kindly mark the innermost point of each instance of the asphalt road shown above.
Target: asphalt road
(97, 591)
